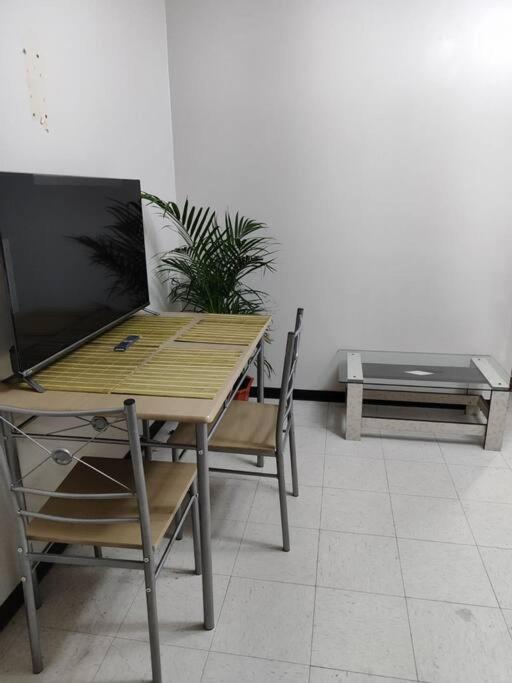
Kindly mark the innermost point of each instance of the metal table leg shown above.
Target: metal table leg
(146, 436)
(261, 385)
(496, 421)
(176, 458)
(203, 478)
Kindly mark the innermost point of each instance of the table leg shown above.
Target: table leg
(148, 453)
(203, 478)
(354, 411)
(261, 385)
(496, 421)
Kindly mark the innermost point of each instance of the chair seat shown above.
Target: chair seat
(167, 485)
(247, 427)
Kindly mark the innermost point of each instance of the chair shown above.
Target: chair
(257, 429)
(101, 502)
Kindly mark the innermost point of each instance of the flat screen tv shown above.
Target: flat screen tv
(73, 258)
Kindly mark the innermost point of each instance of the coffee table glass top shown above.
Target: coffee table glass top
(433, 370)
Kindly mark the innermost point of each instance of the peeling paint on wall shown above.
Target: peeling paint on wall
(35, 79)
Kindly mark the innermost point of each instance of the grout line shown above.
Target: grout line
(366, 533)
(94, 678)
(472, 465)
(398, 493)
(237, 655)
(458, 498)
(485, 502)
(452, 602)
(482, 561)
(337, 588)
(400, 538)
(146, 642)
(316, 575)
(233, 654)
(219, 615)
(217, 620)
(263, 659)
(364, 673)
(135, 596)
(402, 576)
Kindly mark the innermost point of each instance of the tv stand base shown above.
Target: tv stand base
(33, 384)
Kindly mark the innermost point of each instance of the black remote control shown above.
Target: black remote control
(127, 342)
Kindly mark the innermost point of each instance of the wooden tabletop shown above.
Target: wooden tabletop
(151, 407)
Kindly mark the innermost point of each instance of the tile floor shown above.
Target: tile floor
(400, 570)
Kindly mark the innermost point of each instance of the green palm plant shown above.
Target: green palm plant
(209, 271)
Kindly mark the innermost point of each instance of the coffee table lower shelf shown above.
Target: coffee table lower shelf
(482, 417)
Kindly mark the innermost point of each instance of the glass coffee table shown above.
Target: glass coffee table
(477, 382)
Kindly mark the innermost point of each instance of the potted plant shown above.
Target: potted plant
(209, 271)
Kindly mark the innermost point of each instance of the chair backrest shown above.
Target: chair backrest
(288, 379)
(11, 430)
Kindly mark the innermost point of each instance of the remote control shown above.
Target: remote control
(127, 342)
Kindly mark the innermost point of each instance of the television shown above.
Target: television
(73, 264)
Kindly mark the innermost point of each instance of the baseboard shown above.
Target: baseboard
(14, 601)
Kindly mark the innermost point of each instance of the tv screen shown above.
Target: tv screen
(74, 258)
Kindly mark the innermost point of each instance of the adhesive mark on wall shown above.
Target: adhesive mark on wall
(35, 79)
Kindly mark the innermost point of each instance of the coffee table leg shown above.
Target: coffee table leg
(496, 421)
(354, 411)
(203, 478)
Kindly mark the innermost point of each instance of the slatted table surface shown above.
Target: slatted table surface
(224, 329)
(159, 363)
(192, 373)
(152, 330)
(93, 368)
(84, 390)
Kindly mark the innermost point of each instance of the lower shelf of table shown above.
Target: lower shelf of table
(424, 420)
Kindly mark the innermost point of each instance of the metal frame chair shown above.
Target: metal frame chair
(259, 429)
(289, 415)
(85, 510)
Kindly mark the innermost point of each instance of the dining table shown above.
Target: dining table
(183, 367)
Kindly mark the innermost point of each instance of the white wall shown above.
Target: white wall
(375, 138)
(104, 85)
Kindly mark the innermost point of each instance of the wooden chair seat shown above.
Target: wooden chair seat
(246, 427)
(167, 485)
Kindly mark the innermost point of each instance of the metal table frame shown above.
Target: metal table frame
(494, 408)
(203, 432)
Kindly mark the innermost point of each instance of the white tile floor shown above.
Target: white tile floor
(400, 570)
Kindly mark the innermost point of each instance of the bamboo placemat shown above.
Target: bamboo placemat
(152, 366)
(238, 318)
(152, 330)
(191, 373)
(93, 368)
(225, 329)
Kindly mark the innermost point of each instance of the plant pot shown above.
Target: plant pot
(245, 389)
